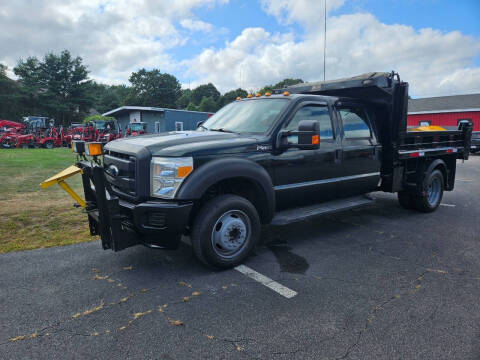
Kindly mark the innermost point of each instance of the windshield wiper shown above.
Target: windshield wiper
(223, 130)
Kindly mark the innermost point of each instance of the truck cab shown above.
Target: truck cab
(136, 128)
(273, 159)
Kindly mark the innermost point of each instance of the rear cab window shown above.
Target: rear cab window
(355, 122)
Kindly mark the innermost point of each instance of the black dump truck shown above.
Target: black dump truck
(303, 151)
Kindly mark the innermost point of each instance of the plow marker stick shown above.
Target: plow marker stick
(59, 179)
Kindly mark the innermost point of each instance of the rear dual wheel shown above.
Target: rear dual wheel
(431, 196)
(225, 231)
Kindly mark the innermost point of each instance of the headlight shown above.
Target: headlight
(168, 174)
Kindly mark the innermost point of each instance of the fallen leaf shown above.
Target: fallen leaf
(239, 348)
(128, 267)
(176, 322)
(76, 315)
(110, 280)
(211, 337)
(418, 287)
(122, 328)
(437, 271)
(95, 334)
(98, 277)
(124, 299)
(185, 299)
(143, 291)
(21, 337)
(195, 293)
(182, 283)
(34, 335)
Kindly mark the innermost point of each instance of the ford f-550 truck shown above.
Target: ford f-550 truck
(303, 151)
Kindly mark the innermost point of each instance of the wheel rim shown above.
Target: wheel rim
(434, 191)
(230, 233)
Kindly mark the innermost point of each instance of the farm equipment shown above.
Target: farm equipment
(136, 128)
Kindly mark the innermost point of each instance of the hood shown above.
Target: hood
(187, 143)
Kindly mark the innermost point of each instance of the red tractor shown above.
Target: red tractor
(136, 128)
(49, 138)
(18, 140)
(83, 132)
(106, 131)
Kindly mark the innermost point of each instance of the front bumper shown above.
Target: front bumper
(475, 145)
(122, 224)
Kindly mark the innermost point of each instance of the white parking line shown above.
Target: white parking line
(449, 205)
(262, 279)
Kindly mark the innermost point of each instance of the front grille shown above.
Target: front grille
(120, 172)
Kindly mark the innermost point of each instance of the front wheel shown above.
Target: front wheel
(432, 194)
(225, 231)
(49, 145)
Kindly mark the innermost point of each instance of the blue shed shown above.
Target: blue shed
(158, 119)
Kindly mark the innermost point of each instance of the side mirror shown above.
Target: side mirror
(308, 134)
(200, 123)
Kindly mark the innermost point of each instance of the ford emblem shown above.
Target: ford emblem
(113, 170)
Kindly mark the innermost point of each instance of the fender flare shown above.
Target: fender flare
(214, 171)
(438, 163)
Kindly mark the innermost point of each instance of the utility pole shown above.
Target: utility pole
(325, 39)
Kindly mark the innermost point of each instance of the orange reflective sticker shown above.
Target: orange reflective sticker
(315, 139)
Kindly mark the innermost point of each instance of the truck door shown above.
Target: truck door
(360, 151)
(304, 177)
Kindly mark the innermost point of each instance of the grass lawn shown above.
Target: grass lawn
(30, 217)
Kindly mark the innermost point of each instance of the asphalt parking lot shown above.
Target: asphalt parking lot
(374, 283)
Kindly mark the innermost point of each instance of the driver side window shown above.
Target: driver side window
(312, 112)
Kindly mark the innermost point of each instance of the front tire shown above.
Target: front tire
(225, 231)
(433, 193)
(49, 145)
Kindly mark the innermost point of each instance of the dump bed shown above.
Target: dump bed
(387, 98)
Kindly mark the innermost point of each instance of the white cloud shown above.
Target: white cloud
(307, 12)
(432, 61)
(113, 37)
(196, 25)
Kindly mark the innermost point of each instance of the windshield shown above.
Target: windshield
(136, 127)
(251, 116)
(100, 125)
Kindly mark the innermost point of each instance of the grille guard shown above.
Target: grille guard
(102, 207)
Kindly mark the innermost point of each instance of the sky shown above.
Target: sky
(433, 44)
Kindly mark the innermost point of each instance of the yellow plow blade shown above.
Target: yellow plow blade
(428, 128)
(60, 180)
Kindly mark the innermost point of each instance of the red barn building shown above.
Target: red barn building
(445, 111)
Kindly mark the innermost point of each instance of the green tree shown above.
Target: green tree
(57, 85)
(207, 104)
(287, 82)
(11, 96)
(230, 96)
(191, 107)
(87, 119)
(208, 90)
(153, 88)
(185, 99)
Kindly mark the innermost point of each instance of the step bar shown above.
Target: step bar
(308, 212)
